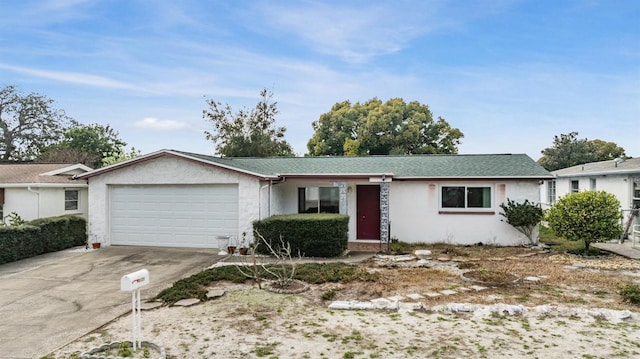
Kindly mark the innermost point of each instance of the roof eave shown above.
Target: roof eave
(66, 169)
(468, 178)
(41, 184)
(600, 173)
(162, 153)
(335, 175)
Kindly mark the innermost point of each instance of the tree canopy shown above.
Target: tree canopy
(247, 133)
(377, 128)
(28, 123)
(88, 144)
(568, 150)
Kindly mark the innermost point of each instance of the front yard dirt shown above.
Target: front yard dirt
(571, 310)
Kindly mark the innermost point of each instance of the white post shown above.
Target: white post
(132, 283)
(139, 322)
(133, 319)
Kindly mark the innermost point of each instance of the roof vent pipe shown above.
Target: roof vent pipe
(617, 160)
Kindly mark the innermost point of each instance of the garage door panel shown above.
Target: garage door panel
(173, 215)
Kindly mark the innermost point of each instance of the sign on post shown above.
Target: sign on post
(132, 282)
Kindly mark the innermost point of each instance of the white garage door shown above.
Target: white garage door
(173, 215)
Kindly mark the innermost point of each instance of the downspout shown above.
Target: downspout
(271, 183)
(38, 202)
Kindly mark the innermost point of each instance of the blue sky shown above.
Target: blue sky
(509, 74)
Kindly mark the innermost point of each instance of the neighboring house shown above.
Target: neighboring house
(618, 177)
(38, 190)
(174, 198)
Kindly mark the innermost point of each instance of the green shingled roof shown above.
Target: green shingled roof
(416, 166)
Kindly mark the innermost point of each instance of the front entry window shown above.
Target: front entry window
(318, 200)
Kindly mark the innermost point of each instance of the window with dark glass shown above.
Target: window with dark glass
(318, 200)
(575, 186)
(466, 197)
(71, 200)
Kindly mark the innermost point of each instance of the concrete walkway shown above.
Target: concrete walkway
(51, 300)
(625, 249)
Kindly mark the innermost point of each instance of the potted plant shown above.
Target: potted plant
(244, 247)
(95, 244)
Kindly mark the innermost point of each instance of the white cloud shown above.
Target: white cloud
(153, 123)
(72, 77)
(353, 33)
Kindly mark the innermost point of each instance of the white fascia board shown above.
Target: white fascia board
(601, 173)
(44, 185)
(446, 178)
(78, 166)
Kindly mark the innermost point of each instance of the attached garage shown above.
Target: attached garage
(172, 215)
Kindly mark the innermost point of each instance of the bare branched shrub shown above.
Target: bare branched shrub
(282, 268)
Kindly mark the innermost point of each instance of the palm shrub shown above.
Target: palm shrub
(523, 216)
(591, 216)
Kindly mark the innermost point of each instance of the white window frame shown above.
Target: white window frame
(317, 200)
(77, 200)
(551, 191)
(467, 185)
(574, 190)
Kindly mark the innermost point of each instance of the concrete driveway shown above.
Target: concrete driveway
(51, 300)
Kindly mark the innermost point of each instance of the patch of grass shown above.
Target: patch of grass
(313, 273)
(336, 272)
(631, 293)
(561, 245)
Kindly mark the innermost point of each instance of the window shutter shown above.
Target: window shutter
(1, 195)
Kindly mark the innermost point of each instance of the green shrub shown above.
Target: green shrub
(592, 216)
(61, 232)
(631, 293)
(313, 273)
(18, 242)
(41, 236)
(522, 216)
(310, 235)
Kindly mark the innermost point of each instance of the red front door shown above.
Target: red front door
(368, 212)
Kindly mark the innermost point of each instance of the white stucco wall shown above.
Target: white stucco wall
(415, 211)
(621, 186)
(618, 185)
(169, 170)
(42, 202)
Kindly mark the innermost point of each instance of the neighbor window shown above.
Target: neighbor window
(1, 213)
(575, 186)
(592, 184)
(466, 197)
(71, 200)
(318, 200)
(551, 192)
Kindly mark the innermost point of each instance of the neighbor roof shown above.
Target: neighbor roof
(39, 173)
(628, 166)
(399, 167)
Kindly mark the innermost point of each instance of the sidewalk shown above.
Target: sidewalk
(627, 249)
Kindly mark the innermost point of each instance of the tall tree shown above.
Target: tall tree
(247, 133)
(377, 128)
(568, 150)
(607, 150)
(88, 144)
(28, 123)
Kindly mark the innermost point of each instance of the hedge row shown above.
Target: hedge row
(40, 236)
(311, 235)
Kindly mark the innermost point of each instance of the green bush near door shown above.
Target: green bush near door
(310, 235)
